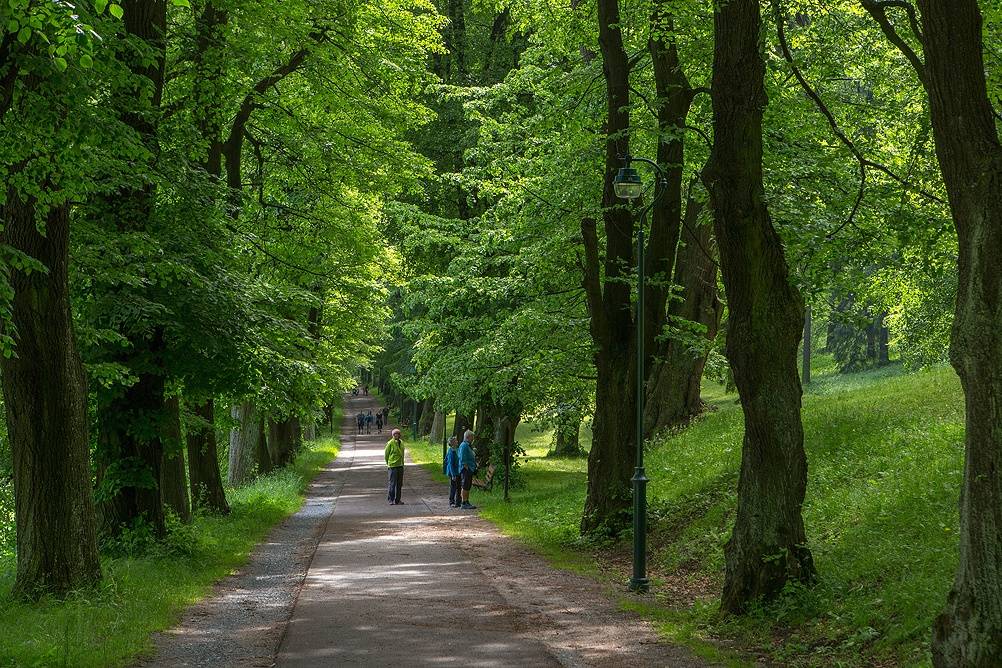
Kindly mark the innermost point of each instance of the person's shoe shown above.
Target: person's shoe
(400, 503)
(468, 506)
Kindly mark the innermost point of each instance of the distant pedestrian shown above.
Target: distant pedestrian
(359, 422)
(394, 456)
(467, 467)
(365, 390)
(386, 414)
(379, 422)
(453, 470)
(368, 422)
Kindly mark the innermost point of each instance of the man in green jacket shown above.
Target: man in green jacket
(394, 455)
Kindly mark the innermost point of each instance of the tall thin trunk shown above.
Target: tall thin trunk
(610, 462)
(768, 546)
(805, 372)
(173, 480)
(203, 462)
(131, 452)
(283, 441)
(427, 417)
(243, 443)
(45, 399)
(969, 631)
(263, 456)
(437, 427)
(673, 391)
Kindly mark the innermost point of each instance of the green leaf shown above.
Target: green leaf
(61, 64)
(181, 3)
(12, 26)
(116, 11)
(24, 35)
(86, 61)
(100, 5)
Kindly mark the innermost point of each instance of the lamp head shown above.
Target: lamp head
(627, 184)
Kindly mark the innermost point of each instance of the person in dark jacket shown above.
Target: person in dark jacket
(467, 467)
(453, 470)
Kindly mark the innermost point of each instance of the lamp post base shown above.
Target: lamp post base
(639, 581)
(641, 586)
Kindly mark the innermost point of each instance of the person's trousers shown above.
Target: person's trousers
(396, 483)
(454, 494)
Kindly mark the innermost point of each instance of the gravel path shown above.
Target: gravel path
(242, 621)
(412, 585)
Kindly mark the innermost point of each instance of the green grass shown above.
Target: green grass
(885, 451)
(111, 624)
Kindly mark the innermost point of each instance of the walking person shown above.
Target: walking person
(394, 456)
(359, 422)
(467, 467)
(379, 422)
(453, 470)
(368, 422)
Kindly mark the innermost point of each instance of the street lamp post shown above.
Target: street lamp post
(628, 186)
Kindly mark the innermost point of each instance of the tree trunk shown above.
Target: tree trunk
(427, 417)
(243, 443)
(283, 441)
(310, 432)
(673, 395)
(437, 427)
(45, 399)
(173, 481)
(203, 462)
(264, 464)
(805, 373)
(768, 547)
(462, 423)
(567, 441)
(131, 419)
(505, 423)
(969, 631)
(610, 461)
(883, 340)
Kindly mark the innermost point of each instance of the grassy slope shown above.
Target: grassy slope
(885, 452)
(111, 625)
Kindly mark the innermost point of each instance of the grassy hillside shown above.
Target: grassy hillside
(885, 453)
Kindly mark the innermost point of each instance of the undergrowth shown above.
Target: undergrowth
(147, 590)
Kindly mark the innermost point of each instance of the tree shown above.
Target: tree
(768, 546)
(42, 101)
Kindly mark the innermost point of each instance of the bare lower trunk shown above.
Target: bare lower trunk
(243, 443)
(505, 423)
(173, 479)
(427, 417)
(610, 464)
(567, 435)
(283, 441)
(768, 546)
(203, 462)
(437, 427)
(263, 454)
(45, 398)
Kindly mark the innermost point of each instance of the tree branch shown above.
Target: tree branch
(878, 10)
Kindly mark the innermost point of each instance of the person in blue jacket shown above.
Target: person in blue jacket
(452, 469)
(467, 467)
